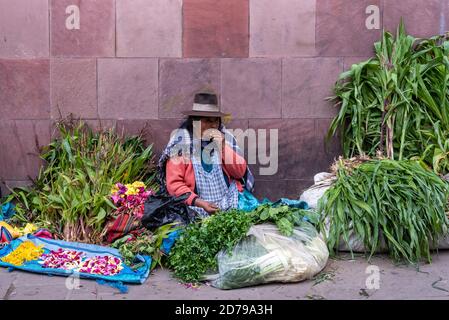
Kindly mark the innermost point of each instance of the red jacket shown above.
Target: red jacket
(180, 175)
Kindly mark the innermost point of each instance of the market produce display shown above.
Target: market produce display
(62, 259)
(194, 253)
(147, 243)
(104, 265)
(77, 261)
(70, 197)
(397, 103)
(130, 198)
(266, 255)
(26, 251)
(400, 201)
(385, 193)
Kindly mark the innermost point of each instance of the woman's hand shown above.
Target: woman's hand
(206, 205)
(217, 136)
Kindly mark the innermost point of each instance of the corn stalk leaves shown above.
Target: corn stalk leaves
(397, 102)
(400, 201)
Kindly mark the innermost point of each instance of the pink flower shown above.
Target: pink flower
(115, 198)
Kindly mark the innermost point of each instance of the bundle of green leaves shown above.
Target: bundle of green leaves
(70, 196)
(398, 200)
(397, 103)
(194, 253)
(147, 243)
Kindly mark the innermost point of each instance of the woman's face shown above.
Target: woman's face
(208, 123)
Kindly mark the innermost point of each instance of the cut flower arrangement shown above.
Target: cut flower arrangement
(130, 198)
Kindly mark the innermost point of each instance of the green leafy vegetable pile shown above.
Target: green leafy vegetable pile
(401, 200)
(194, 253)
(397, 103)
(147, 243)
(70, 194)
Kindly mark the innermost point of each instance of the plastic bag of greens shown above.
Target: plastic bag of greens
(267, 256)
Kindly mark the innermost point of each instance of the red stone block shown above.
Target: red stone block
(302, 151)
(276, 189)
(96, 125)
(149, 28)
(251, 88)
(215, 28)
(341, 28)
(349, 61)
(73, 88)
(180, 79)
(286, 28)
(329, 149)
(96, 33)
(421, 18)
(156, 132)
(5, 186)
(24, 28)
(306, 84)
(24, 89)
(127, 88)
(20, 145)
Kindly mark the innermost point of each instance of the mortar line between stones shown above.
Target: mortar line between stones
(97, 78)
(49, 63)
(115, 28)
(282, 88)
(316, 26)
(249, 28)
(182, 29)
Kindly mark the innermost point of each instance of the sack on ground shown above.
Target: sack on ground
(266, 256)
(323, 181)
(356, 245)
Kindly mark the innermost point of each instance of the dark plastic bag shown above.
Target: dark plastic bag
(161, 209)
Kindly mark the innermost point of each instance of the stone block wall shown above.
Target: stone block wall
(136, 63)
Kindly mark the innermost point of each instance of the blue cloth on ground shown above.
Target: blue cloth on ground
(248, 202)
(7, 211)
(168, 242)
(126, 275)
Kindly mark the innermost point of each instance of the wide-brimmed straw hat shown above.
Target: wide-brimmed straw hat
(205, 104)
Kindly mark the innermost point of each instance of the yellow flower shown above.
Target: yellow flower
(26, 251)
(138, 184)
(114, 189)
(130, 190)
(29, 228)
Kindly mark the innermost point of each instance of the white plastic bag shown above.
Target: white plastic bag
(267, 256)
(323, 181)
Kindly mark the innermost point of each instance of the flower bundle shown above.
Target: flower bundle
(76, 261)
(26, 251)
(62, 259)
(130, 197)
(102, 265)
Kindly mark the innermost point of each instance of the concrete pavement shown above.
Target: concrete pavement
(343, 278)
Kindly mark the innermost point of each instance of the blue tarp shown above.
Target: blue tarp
(168, 242)
(127, 275)
(248, 202)
(7, 211)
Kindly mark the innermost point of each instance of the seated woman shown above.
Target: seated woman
(203, 160)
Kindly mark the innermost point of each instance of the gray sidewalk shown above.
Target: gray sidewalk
(342, 279)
